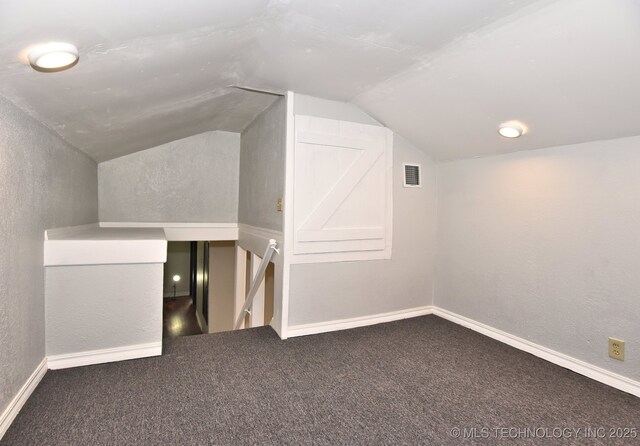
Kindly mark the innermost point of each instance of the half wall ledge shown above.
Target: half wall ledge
(103, 294)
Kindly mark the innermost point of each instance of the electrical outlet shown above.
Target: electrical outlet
(616, 349)
(279, 205)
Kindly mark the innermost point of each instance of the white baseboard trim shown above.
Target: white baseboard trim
(105, 355)
(583, 368)
(12, 410)
(344, 324)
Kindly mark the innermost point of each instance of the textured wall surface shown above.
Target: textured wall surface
(193, 179)
(323, 108)
(44, 183)
(262, 168)
(103, 306)
(545, 245)
(327, 291)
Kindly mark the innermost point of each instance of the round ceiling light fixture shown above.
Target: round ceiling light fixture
(512, 129)
(53, 56)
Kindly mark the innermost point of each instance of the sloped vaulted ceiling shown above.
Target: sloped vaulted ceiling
(442, 73)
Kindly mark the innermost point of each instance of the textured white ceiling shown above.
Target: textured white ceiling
(442, 73)
(569, 70)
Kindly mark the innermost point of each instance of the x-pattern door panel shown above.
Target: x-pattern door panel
(342, 185)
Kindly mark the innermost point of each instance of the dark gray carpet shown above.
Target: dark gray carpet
(408, 382)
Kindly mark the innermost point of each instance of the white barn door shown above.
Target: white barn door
(342, 190)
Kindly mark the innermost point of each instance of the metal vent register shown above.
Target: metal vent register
(411, 175)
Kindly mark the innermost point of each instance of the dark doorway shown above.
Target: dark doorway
(205, 282)
(179, 318)
(193, 276)
(183, 283)
(177, 270)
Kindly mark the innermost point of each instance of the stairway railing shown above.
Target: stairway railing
(257, 281)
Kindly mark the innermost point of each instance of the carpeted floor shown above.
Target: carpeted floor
(403, 383)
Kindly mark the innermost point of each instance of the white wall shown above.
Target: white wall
(329, 291)
(322, 292)
(96, 307)
(324, 108)
(262, 168)
(545, 245)
(44, 183)
(191, 180)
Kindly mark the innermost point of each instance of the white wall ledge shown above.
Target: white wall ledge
(184, 231)
(94, 245)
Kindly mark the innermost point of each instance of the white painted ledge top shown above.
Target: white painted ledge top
(93, 245)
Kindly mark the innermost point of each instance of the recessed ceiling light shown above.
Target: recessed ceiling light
(53, 56)
(512, 129)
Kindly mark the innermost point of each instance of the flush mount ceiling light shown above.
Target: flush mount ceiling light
(512, 129)
(53, 56)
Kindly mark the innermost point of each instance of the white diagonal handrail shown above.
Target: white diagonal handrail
(257, 281)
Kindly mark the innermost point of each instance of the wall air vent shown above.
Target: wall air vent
(411, 175)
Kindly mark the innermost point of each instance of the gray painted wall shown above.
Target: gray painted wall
(262, 168)
(85, 307)
(545, 245)
(328, 291)
(193, 180)
(45, 183)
